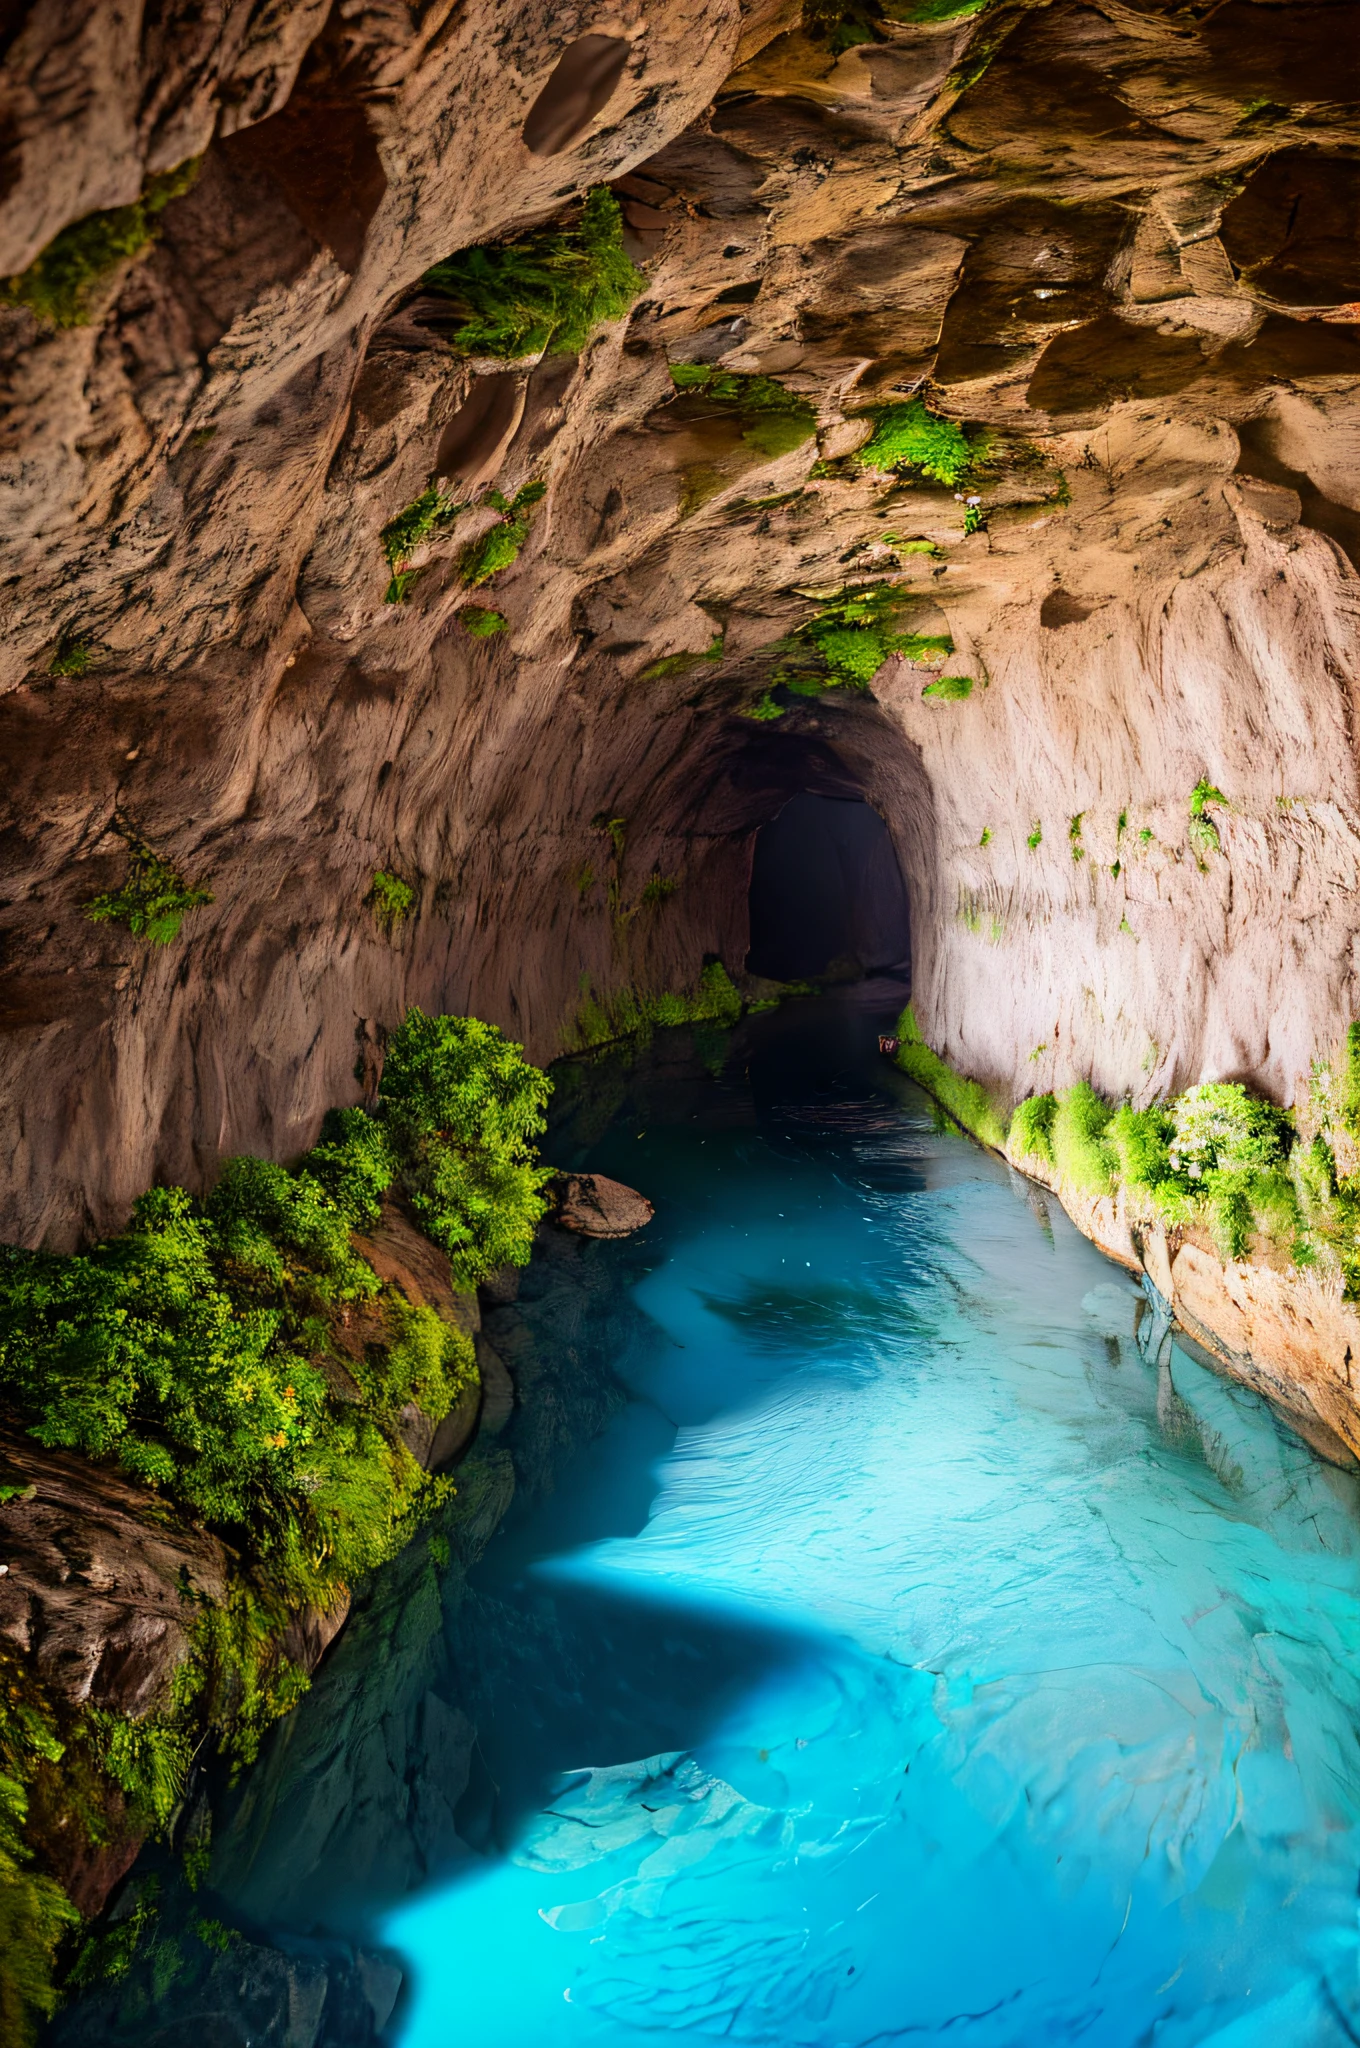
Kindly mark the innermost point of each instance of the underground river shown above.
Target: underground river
(911, 1658)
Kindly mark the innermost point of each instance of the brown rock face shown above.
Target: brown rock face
(595, 1206)
(1119, 242)
(99, 1585)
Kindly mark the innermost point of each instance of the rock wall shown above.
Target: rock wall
(1122, 240)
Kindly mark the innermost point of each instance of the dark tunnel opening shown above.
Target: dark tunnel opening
(827, 895)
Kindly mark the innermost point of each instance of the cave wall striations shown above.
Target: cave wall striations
(1123, 240)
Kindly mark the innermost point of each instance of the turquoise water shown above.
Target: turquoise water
(913, 1660)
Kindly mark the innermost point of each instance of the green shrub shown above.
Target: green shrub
(60, 282)
(1079, 1154)
(481, 622)
(550, 290)
(1219, 1127)
(1031, 1132)
(1139, 1141)
(763, 708)
(949, 689)
(499, 546)
(461, 1108)
(909, 436)
(354, 1164)
(773, 421)
(966, 1101)
(390, 899)
(153, 901)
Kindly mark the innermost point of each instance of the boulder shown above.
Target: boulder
(595, 1206)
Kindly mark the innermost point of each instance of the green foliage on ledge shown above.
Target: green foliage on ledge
(847, 640)
(499, 546)
(601, 1020)
(966, 1101)
(61, 281)
(153, 901)
(910, 437)
(427, 516)
(550, 290)
(1214, 1158)
(774, 421)
(390, 899)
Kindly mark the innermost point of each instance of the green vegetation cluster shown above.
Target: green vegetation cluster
(844, 23)
(61, 281)
(430, 514)
(1214, 1158)
(239, 1356)
(600, 1020)
(847, 640)
(549, 291)
(391, 899)
(499, 546)
(773, 421)
(908, 436)
(155, 897)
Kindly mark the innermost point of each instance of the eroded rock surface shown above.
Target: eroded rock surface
(1118, 242)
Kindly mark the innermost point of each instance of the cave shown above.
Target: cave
(827, 896)
(679, 879)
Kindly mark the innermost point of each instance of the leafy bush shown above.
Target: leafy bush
(966, 1101)
(390, 899)
(909, 436)
(550, 290)
(60, 282)
(153, 901)
(1031, 1131)
(949, 689)
(1219, 1127)
(499, 546)
(1079, 1154)
(461, 1108)
(773, 421)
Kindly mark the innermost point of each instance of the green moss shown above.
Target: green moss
(949, 689)
(774, 421)
(481, 622)
(911, 437)
(1080, 1157)
(155, 898)
(626, 1014)
(1035, 836)
(390, 899)
(499, 546)
(846, 642)
(764, 708)
(1031, 1131)
(966, 1101)
(60, 283)
(550, 290)
(74, 656)
(681, 664)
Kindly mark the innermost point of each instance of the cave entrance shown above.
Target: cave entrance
(827, 896)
